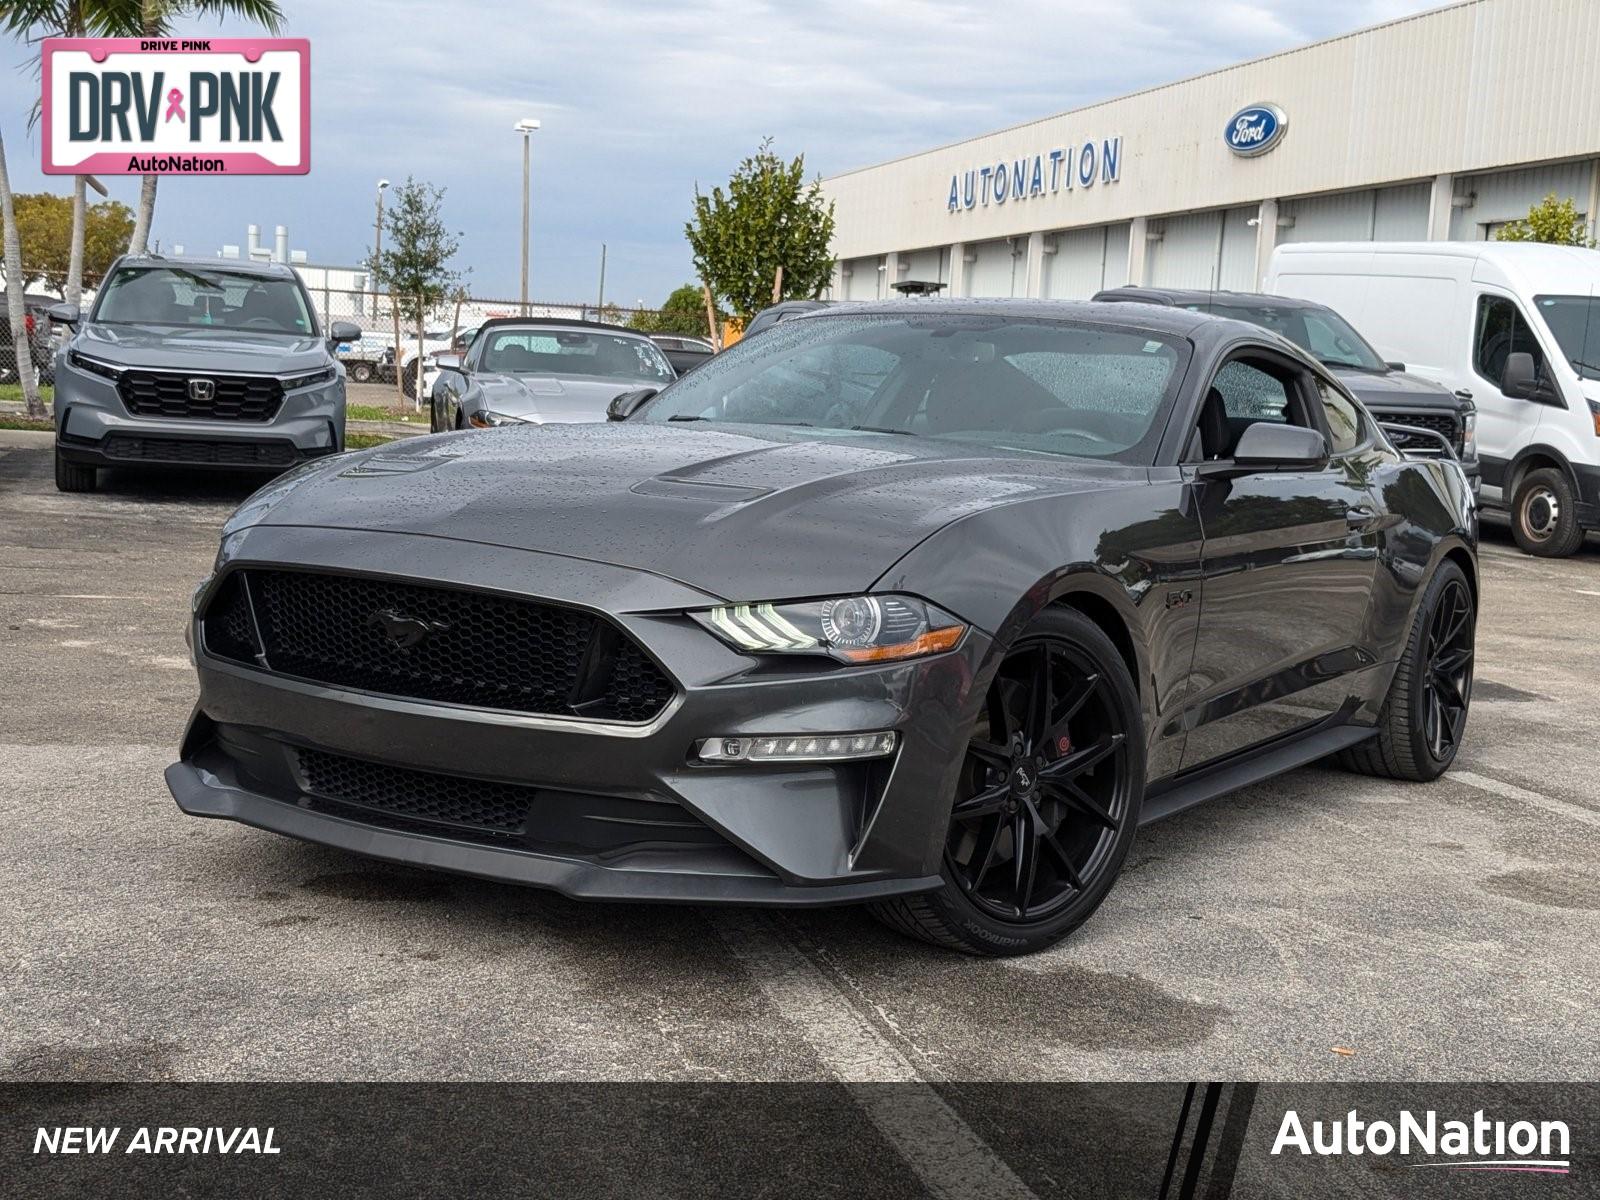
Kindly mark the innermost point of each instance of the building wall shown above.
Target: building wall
(1442, 124)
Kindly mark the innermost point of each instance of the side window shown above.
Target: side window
(1344, 419)
(1241, 394)
(1250, 394)
(1501, 330)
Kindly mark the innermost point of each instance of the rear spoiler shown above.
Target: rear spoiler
(1436, 445)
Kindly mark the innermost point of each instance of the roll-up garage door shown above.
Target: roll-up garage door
(861, 276)
(1085, 261)
(995, 271)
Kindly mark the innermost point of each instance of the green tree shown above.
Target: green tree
(684, 311)
(414, 266)
(1556, 222)
(767, 218)
(44, 222)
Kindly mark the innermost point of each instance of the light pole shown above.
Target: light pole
(377, 246)
(525, 127)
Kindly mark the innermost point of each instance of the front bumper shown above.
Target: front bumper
(789, 834)
(94, 428)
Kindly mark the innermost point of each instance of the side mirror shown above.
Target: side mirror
(344, 331)
(1266, 445)
(624, 406)
(448, 362)
(1520, 378)
(1395, 366)
(64, 314)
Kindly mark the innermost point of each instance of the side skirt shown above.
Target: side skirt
(1166, 799)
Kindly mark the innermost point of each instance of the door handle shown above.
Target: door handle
(1359, 515)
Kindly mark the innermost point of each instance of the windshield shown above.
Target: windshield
(1575, 323)
(569, 354)
(1020, 383)
(203, 297)
(1320, 332)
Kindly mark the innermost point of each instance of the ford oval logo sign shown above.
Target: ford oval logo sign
(1256, 129)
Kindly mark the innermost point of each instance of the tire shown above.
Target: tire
(74, 477)
(1544, 514)
(1404, 747)
(1092, 735)
(361, 372)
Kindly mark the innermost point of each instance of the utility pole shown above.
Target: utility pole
(525, 127)
(377, 247)
(602, 302)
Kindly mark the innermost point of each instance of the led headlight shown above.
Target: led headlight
(484, 419)
(315, 377)
(853, 629)
(94, 366)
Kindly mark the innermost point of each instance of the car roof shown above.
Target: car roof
(1182, 296)
(239, 266)
(558, 323)
(1156, 318)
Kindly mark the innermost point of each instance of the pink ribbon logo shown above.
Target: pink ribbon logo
(175, 105)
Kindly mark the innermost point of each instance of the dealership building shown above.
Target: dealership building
(1440, 126)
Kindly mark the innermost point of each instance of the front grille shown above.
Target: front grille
(1446, 425)
(520, 816)
(422, 797)
(233, 397)
(434, 643)
(201, 451)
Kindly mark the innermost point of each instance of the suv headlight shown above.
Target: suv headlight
(1469, 433)
(855, 629)
(94, 366)
(290, 383)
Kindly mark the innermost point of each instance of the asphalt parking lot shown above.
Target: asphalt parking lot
(1440, 932)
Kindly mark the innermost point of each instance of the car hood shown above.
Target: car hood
(1395, 389)
(542, 398)
(750, 515)
(198, 348)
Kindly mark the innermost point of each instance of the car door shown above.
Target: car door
(1288, 561)
(1505, 423)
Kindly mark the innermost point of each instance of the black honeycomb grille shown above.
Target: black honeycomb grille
(443, 644)
(1444, 424)
(229, 398)
(499, 810)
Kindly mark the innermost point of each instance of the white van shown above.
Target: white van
(1513, 326)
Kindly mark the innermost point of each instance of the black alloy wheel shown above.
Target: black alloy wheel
(1448, 683)
(1424, 716)
(1047, 797)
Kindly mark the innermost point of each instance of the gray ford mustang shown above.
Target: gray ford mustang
(522, 371)
(927, 606)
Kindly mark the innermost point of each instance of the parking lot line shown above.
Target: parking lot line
(1510, 791)
(946, 1155)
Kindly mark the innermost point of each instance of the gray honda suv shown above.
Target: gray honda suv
(196, 362)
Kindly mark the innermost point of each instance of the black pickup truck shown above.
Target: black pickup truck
(1390, 394)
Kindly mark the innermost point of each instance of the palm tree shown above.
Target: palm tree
(156, 17)
(14, 290)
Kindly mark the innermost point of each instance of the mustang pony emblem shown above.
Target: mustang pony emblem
(405, 632)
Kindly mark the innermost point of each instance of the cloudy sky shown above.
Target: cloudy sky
(642, 99)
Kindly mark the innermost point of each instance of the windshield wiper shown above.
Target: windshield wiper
(697, 417)
(689, 417)
(881, 429)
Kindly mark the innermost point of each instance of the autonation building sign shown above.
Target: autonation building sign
(1042, 174)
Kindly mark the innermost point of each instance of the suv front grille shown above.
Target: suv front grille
(232, 452)
(233, 397)
(478, 649)
(1446, 425)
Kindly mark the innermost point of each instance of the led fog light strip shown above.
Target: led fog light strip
(804, 747)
